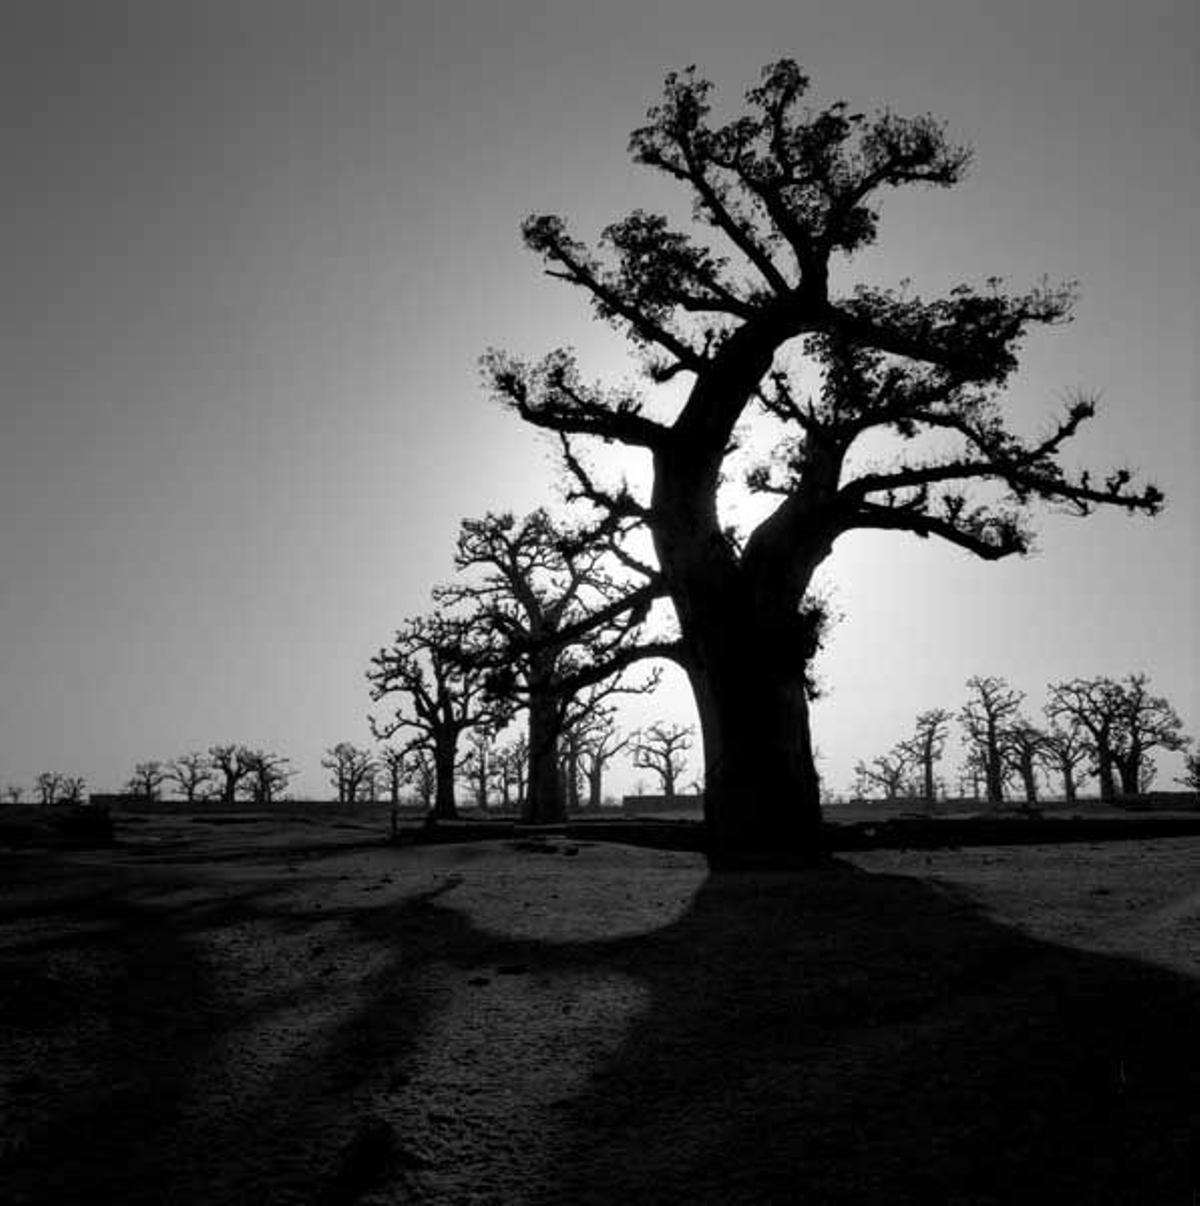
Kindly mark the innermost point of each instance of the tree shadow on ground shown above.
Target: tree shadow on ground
(820, 1037)
(839, 1036)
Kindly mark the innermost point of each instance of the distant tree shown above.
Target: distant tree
(925, 747)
(1023, 745)
(441, 698)
(13, 793)
(1191, 772)
(267, 777)
(191, 773)
(351, 771)
(789, 191)
(477, 767)
(600, 741)
(421, 772)
(49, 786)
(72, 789)
(147, 780)
(985, 718)
(510, 771)
(393, 764)
(540, 615)
(662, 748)
(1064, 749)
(1145, 722)
(888, 771)
(233, 764)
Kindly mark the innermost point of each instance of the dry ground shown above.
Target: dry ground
(247, 1014)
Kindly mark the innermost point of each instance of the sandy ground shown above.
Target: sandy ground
(248, 1014)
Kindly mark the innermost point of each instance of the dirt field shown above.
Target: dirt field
(247, 1014)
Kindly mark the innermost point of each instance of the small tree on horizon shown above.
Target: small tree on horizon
(49, 786)
(191, 773)
(351, 770)
(233, 764)
(985, 719)
(926, 746)
(662, 748)
(147, 780)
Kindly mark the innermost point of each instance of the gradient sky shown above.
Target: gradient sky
(253, 249)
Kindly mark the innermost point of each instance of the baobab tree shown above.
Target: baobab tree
(441, 698)
(1191, 773)
(1146, 722)
(538, 618)
(986, 718)
(1022, 744)
(147, 780)
(267, 776)
(191, 773)
(49, 786)
(925, 747)
(888, 771)
(1063, 750)
(72, 789)
(393, 765)
(600, 742)
(735, 316)
(350, 769)
(663, 748)
(232, 764)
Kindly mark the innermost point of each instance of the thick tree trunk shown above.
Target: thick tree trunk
(761, 791)
(545, 802)
(445, 807)
(1068, 778)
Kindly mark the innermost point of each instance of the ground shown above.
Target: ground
(253, 1013)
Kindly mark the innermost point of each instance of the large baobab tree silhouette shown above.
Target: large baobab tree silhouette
(736, 311)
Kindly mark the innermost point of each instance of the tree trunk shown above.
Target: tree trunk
(545, 803)
(1068, 778)
(445, 808)
(595, 781)
(761, 792)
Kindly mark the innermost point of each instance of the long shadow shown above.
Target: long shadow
(819, 1037)
(840, 1037)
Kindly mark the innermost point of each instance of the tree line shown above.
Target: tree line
(1099, 727)
(494, 773)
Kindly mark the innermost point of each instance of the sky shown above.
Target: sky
(254, 249)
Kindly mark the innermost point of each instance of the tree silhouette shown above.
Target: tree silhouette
(1191, 773)
(599, 742)
(887, 771)
(233, 764)
(72, 789)
(477, 767)
(441, 698)
(191, 773)
(540, 619)
(925, 747)
(267, 776)
(147, 780)
(49, 786)
(13, 793)
(1146, 722)
(986, 718)
(1022, 745)
(393, 762)
(786, 191)
(351, 770)
(662, 748)
(1065, 748)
